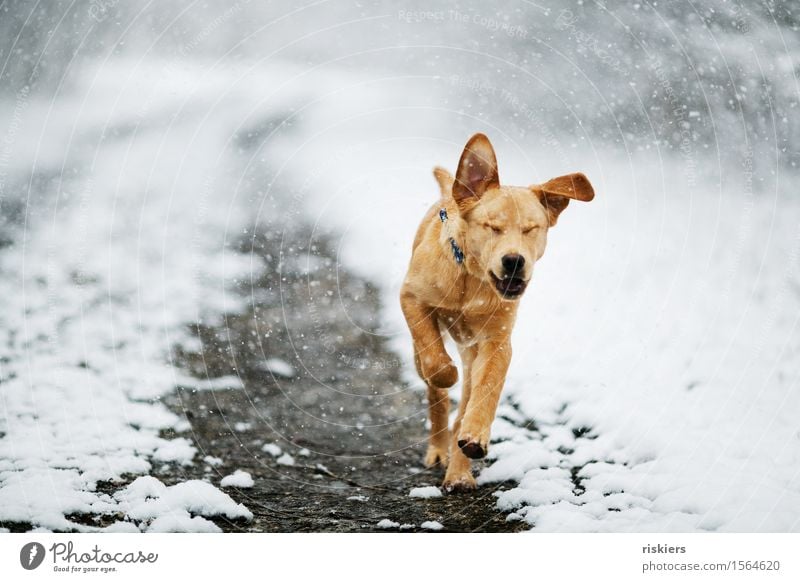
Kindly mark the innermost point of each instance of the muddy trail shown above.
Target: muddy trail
(351, 434)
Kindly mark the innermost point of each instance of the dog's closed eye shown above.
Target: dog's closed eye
(495, 229)
(530, 229)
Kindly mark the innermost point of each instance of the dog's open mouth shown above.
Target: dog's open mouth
(511, 287)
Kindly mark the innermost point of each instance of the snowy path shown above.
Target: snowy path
(330, 436)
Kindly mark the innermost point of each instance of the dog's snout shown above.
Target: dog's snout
(513, 264)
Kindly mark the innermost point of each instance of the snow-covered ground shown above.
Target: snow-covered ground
(123, 245)
(657, 347)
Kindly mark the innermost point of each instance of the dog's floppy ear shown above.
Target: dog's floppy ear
(477, 170)
(555, 194)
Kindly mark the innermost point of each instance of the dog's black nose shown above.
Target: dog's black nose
(513, 264)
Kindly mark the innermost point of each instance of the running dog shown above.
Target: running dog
(472, 260)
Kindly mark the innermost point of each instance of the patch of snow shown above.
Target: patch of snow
(358, 498)
(285, 459)
(279, 367)
(146, 499)
(431, 525)
(242, 426)
(121, 527)
(239, 478)
(182, 521)
(272, 449)
(212, 461)
(178, 450)
(387, 524)
(220, 383)
(425, 492)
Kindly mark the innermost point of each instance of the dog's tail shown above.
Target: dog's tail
(445, 180)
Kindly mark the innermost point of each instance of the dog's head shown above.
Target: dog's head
(505, 228)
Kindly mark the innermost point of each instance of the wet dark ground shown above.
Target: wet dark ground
(355, 431)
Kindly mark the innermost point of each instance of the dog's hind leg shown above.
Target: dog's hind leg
(433, 364)
(459, 470)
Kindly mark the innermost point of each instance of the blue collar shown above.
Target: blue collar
(458, 254)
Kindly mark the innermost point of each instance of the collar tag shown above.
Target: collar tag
(442, 214)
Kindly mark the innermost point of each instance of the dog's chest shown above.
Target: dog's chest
(469, 328)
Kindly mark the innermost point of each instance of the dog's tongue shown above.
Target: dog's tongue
(511, 286)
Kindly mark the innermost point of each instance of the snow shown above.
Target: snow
(279, 368)
(182, 522)
(431, 525)
(220, 383)
(285, 459)
(212, 461)
(161, 508)
(272, 449)
(121, 527)
(425, 492)
(178, 450)
(118, 256)
(358, 498)
(387, 524)
(239, 478)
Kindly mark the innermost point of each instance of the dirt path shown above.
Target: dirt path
(355, 432)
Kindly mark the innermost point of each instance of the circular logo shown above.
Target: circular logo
(31, 555)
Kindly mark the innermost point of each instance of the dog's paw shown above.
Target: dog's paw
(442, 375)
(473, 438)
(462, 483)
(436, 456)
(472, 449)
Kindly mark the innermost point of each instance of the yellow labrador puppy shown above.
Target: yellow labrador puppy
(473, 257)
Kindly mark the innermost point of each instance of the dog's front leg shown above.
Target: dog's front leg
(433, 364)
(491, 365)
(459, 471)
